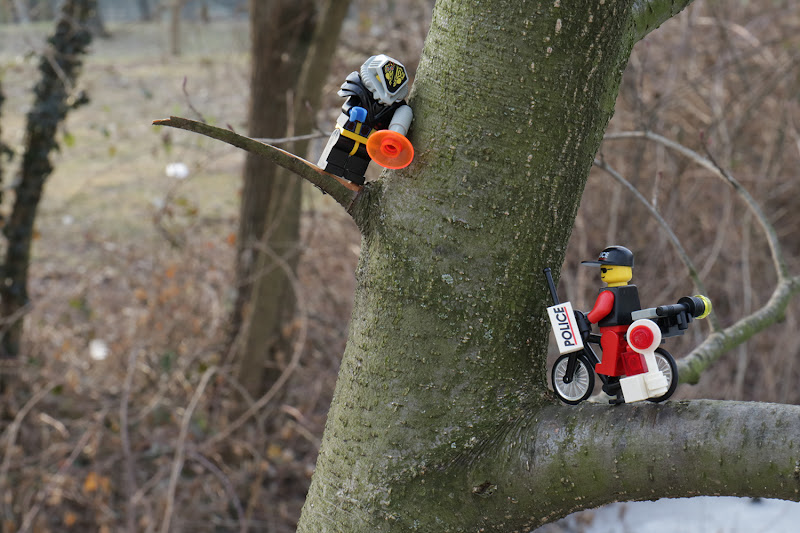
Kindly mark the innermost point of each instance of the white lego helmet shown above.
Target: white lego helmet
(386, 79)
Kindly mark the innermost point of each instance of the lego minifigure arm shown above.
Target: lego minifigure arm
(602, 306)
(401, 120)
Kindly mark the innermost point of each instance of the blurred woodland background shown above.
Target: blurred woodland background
(126, 408)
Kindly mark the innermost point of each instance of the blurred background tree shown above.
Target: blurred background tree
(290, 64)
(55, 95)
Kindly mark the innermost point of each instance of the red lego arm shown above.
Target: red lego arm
(602, 306)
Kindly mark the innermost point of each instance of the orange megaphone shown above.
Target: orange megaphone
(390, 149)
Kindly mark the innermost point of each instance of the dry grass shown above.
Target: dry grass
(153, 437)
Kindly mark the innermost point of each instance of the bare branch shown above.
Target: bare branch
(692, 366)
(769, 230)
(180, 447)
(41, 495)
(698, 283)
(340, 190)
(299, 342)
(10, 433)
(734, 449)
(650, 14)
(295, 138)
(227, 485)
(590, 455)
(129, 465)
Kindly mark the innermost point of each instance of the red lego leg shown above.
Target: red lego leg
(612, 343)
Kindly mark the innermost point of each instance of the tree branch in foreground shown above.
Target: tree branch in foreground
(340, 190)
(553, 461)
(676, 449)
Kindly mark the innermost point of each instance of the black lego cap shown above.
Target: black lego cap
(614, 256)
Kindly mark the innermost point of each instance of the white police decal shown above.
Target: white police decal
(562, 320)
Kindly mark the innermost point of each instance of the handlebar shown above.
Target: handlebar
(696, 306)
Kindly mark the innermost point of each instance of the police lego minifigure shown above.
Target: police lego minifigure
(375, 108)
(613, 307)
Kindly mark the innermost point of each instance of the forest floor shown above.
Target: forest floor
(131, 282)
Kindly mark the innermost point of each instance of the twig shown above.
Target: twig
(341, 190)
(286, 140)
(180, 448)
(698, 283)
(302, 424)
(226, 483)
(127, 454)
(41, 495)
(692, 366)
(10, 434)
(158, 218)
(190, 104)
(766, 226)
(290, 368)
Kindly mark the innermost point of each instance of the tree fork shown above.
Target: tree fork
(441, 420)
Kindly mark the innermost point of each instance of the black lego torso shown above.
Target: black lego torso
(626, 301)
(378, 115)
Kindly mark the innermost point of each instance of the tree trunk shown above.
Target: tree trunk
(269, 222)
(21, 11)
(145, 15)
(272, 300)
(97, 24)
(441, 419)
(176, 9)
(59, 69)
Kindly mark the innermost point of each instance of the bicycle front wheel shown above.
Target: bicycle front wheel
(572, 391)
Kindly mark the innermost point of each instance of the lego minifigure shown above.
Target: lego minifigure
(373, 123)
(633, 366)
(612, 311)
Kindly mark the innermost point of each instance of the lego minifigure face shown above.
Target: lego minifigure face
(616, 275)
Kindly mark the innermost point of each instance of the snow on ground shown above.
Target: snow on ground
(685, 515)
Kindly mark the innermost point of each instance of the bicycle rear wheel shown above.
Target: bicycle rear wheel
(666, 364)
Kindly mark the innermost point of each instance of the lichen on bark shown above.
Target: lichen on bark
(447, 344)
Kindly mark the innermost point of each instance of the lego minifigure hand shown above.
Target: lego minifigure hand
(584, 326)
(358, 114)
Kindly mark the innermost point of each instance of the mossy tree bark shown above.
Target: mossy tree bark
(441, 419)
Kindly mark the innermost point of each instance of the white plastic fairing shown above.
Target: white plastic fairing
(644, 336)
